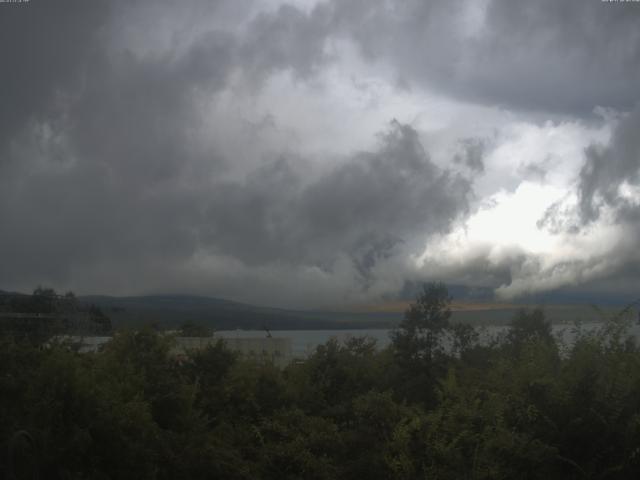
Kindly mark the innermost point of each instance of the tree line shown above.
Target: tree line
(44, 313)
(436, 403)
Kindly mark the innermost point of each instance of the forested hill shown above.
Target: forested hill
(170, 311)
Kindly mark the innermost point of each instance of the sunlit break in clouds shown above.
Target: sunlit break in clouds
(320, 154)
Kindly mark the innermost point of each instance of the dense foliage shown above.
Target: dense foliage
(43, 314)
(436, 404)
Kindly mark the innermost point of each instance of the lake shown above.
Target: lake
(304, 342)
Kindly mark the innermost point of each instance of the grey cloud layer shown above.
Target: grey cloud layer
(105, 158)
(105, 164)
(608, 168)
(365, 206)
(564, 56)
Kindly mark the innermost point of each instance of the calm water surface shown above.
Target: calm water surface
(305, 342)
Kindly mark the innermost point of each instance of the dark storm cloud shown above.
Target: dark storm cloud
(609, 168)
(479, 268)
(610, 180)
(41, 45)
(66, 52)
(609, 276)
(563, 56)
(287, 39)
(104, 171)
(100, 163)
(568, 55)
(364, 207)
(107, 168)
(472, 154)
(623, 285)
(138, 115)
(99, 160)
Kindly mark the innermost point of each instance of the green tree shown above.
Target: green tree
(419, 343)
(190, 329)
(528, 327)
(421, 332)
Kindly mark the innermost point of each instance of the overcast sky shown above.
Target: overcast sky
(319, 153)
